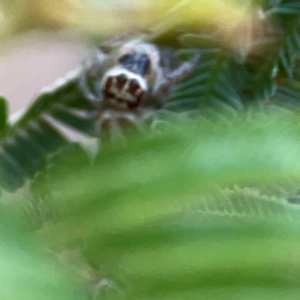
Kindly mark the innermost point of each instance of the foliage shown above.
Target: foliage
(165, 223)
(27, 271)
(198, 207)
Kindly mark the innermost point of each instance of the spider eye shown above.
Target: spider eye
(144, 64)
(126, 58)
(135, 62)
(121, 79)
(133, 84)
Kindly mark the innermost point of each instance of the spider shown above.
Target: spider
(129, 82)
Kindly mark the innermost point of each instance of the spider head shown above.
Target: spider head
(126, 84)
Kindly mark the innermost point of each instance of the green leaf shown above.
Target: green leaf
(146, 176)
(3, 115)
(159, 227)
(290, 47)
(199, 41)
(28, 143)
(210, 84)
(27, 272)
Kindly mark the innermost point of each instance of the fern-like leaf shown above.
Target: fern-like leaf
(33, 137)
(210, 84)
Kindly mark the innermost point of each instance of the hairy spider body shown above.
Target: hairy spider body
(130, 80)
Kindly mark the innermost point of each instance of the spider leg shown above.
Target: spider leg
(117, 126)
(94, 98)
(109, 126)
(177, 75)
(92, 70)
(98, 90)
(83, 85)
(166, 60)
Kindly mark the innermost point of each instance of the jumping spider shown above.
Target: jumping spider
(129, 82)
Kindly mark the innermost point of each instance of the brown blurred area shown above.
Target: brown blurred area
(33, 60)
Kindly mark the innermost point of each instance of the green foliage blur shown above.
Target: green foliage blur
(196, 210)
(204, 205)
